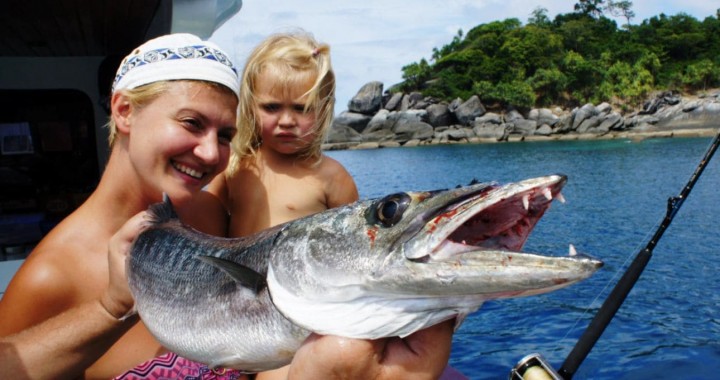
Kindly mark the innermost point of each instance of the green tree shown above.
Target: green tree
(592, 8)
(415, 75)
(549, 85)
(539, 17)
(449, 48)
(622, 8)
(701, 74)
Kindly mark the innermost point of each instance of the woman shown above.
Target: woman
(173, 110)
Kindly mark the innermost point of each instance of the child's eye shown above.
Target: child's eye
(271, 107)
(300, 108)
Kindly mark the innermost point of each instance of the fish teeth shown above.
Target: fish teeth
(547, 193)
(573, 252)
(560, 197)
(526, 202)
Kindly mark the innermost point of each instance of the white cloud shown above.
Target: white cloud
(373, 39)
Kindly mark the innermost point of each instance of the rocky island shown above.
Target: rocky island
(377, 119)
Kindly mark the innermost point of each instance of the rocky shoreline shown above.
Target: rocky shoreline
(377, 120)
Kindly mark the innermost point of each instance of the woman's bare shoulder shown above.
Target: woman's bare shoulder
(60, 272)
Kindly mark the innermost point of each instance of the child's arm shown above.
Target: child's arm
(340, 188)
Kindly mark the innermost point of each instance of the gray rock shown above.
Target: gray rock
(491, 130)
(584, 112)
(588, 124)
(544, 130)
(543, 116)
(356, 121)
(409, 130)
(379, 121)
(378, 135)
(439, 115)
(513, 115)
(603, 108)
(523, 127)
(469, 110)
(394, 102)
(489, 117)
(613, 121)
(368, 99)
(339, 133)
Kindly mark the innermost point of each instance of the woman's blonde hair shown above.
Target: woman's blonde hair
(294, 58)
(140, 97)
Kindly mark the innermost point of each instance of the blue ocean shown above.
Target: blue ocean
(617, 192)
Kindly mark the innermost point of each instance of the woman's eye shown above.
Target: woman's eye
(225, 137)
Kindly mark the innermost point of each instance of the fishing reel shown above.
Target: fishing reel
(533, 367)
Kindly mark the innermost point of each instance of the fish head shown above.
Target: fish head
(430, 255)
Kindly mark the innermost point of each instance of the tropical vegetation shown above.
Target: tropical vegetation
(577, 57)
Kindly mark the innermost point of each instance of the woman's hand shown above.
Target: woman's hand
(117, 299)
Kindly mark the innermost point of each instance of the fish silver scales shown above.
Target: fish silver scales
(372, 269)
(196, 309)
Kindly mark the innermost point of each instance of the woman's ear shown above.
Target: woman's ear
(121, 109)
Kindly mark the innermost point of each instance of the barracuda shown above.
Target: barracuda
(372, 269)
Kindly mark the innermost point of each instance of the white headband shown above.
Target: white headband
(176, 57)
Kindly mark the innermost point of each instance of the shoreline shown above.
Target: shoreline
(632, 135)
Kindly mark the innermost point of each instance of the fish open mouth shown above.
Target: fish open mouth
(507, 224)
(493, 218)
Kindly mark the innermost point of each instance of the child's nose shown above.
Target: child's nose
(287, 118)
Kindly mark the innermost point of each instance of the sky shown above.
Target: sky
(371, 40)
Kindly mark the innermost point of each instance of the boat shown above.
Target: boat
(57, 63)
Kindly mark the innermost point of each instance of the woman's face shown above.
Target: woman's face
(181, 140)
(285, 126)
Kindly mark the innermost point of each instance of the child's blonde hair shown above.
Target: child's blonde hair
(295, 57)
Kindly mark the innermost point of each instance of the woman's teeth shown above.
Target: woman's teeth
(189, 171)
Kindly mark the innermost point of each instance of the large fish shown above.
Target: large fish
(375, 268)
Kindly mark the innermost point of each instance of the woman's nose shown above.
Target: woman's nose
(208, 149)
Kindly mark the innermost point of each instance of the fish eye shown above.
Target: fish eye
(389, 210)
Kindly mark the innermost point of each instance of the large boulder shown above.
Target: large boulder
(406, 130)
(339, 133)
(356, 121)
(368, 99)
(393, 103)
(491, 130)
(439, 115)
(466, 112)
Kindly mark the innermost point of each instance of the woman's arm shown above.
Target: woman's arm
(64, 345)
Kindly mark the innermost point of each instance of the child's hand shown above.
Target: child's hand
(117, 299)
(422, 355)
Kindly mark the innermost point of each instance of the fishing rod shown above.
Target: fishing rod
(535, 367)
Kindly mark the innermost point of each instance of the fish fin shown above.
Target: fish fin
(240, 273)
(162, 212)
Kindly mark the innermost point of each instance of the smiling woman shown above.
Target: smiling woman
(173, 110)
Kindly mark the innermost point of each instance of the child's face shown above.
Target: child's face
(181, 140)
(285, 126)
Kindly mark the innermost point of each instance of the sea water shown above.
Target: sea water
(617, 192)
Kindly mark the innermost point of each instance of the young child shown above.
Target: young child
(279, 172)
